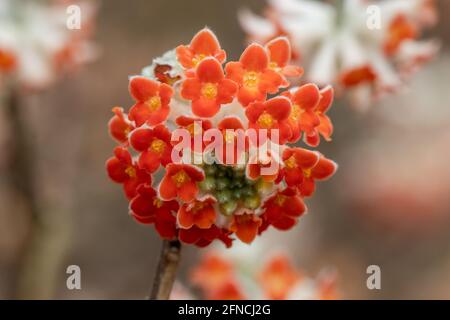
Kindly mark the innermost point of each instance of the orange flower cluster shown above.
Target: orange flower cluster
(189, 89)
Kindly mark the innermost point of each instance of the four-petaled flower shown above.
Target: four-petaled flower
(203, 45)
(283, 209)
(208, 89)
(180, 181)
(253, 75)
(122, 169)
(152, 101)
(246, 226)
(119, 126)
(200, 213)
(154, 145)
(147, 208)
(271, 115)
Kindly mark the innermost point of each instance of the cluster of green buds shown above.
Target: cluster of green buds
(232, 189)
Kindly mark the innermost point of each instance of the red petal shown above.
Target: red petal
(307, 96)
(326, 99)
(254, 110)
(254, 58)
(279, 107)
(233, 123)
(324, 169)
(210, 70)
(279, 51)
(270, 81)
(149, 161)
(185, 218)
(141, 139)
(167, 188)
(188, 191)
(142, 88)
(191, 88)
(205, 42)
(116, 170)
(227, 90)
(205, 108)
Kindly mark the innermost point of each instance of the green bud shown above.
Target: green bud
(208, 184)
(248, 191)
(224, 196)
(210, 170)
(252, 202)
(222, 183)
(228, 207)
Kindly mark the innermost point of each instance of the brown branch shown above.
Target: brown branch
(167, 270)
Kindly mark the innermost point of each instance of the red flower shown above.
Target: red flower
(121, 169)
(200, 213)
(325, 127)
(147, 208)
(208, 89)
(203, 45)
(400, 30)
(297, 161)
(233, 133)
(203, 237)
(212, 273)
(152, 101)
(323, 170)
(357, 76)
(303, 117)
(283, 209)
(8, 61)
(196, 128)
(265, 167)
(119, 126)
(271, 115)
(279, 50)
(254, 76)
(246, 226)
(154, 145)
(278, 277)
(180, 181)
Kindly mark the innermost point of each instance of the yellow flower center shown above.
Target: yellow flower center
(209, 90)
(194, 129)
(307, 172)
(197, 59)
(130, 171)
(280, 199)
(291, 162)
(228, 136)
(154, 103)
(251, 80)
(180, 177)
(158, 145)
(265, 120)
(157, 203)
(295, 112)
(198, 206)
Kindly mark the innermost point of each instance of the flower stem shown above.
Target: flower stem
(167, 270)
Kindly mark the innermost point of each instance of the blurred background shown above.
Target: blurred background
(388, 204)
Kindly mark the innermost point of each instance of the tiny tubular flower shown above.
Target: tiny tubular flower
(200, 213)
(271, 115)
(180, 181)
(323, 170)
(246, 226)
(209, 89)
(253, 75)
(122, 169)
(154, 145)
(203, 45)
(119, 126)
(147, 208)
(283, 209)
(278, 277)
(152, 101)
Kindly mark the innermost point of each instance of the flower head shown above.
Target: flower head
(204, 153)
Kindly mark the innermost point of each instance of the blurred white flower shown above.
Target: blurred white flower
(35, 43)
(336, 43)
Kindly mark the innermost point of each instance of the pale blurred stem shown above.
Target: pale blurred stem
(20, 165)
(167, 270)
(44, 246)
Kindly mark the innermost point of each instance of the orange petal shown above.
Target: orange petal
(142, 88)
(205, 42)
(307, 96)
(210, 70)
(254, 58)
(279, 51)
